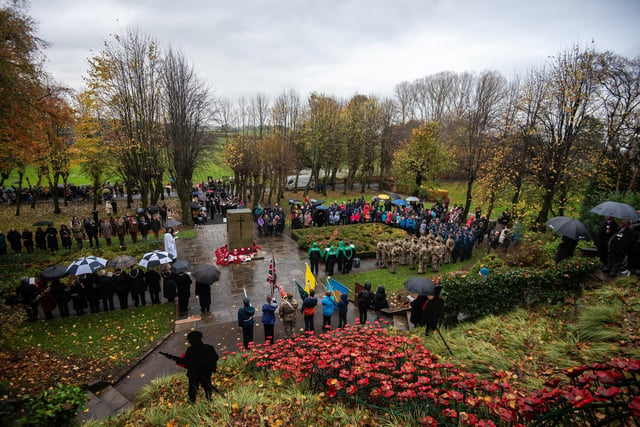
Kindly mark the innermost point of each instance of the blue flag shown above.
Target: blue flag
(336, 288)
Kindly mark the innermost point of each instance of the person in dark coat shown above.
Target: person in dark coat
(343, 309)
(78, 296)
(27, 293)
(416, 310)
(309, 310)
(380, 301)
(27, 240)
(47, 301)
(607, 230)
(3, 243)
(152, 278)
(365, 299)
(203, 291)
(566, 249)
(620, 249)
(121, 287)
(432, 312)
(169, 287)
(15, 240)
(105, 289)
(92, 292)
(314, 255)
(62, 296)
(155, 226)
(183, 283)
(201, 360)
(137, 286)
(52, 238)
(246, 321)
(41, 239)
(65, 237)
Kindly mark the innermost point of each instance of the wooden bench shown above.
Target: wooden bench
(400, 317)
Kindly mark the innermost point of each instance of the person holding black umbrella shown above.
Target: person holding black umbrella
(607, 230)
(620, 248)
(61, 295)
(203, 291)
(566, 249)
(183, 283)
(169, 287)
(152, 277)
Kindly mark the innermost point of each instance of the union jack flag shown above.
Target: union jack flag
(272, 276)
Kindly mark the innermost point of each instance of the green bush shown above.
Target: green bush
(504, 290)
(54, 407)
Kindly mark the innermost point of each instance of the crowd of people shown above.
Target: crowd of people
(106, 291)
(91, 229)
(618, 245)
(435, 235)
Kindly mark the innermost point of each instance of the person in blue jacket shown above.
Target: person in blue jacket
(269, 318)
(328, 307)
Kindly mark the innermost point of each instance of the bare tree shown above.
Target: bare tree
(405, 100)
(558, 105)
(188, 113)
(619, 102)
(125, 78)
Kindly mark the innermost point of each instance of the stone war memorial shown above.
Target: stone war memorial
(239, 228)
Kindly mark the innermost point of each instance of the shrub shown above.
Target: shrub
(476, 296)
(53, 407)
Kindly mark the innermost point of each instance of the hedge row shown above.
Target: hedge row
(502, 291)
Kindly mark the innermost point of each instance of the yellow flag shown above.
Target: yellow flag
(309, 280)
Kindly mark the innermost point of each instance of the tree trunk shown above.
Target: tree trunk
(17, 193)
(544, 210)
(467, 204)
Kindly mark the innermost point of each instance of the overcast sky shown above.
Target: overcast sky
(336, 47)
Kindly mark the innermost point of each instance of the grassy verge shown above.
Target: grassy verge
(524, 347)
(79, 349)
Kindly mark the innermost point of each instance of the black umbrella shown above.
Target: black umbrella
(195, 205)
(122, 261)
(43, 223)
(420, 286)
(616, 210)
(54, 272)
(322, 207)
(153, 208)
(181, 266)
(569, 227)
(205, 273)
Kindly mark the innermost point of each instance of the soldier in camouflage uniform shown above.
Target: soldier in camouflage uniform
(407, 244)
(449, 245)
(380, 249)
(415, 250)
(396, 253)
(437, 253)
(424, 258)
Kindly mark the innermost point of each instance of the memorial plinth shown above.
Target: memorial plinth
(239, 228)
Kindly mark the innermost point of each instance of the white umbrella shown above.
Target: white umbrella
(412, 199)
(151, 259)
(86, 265)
